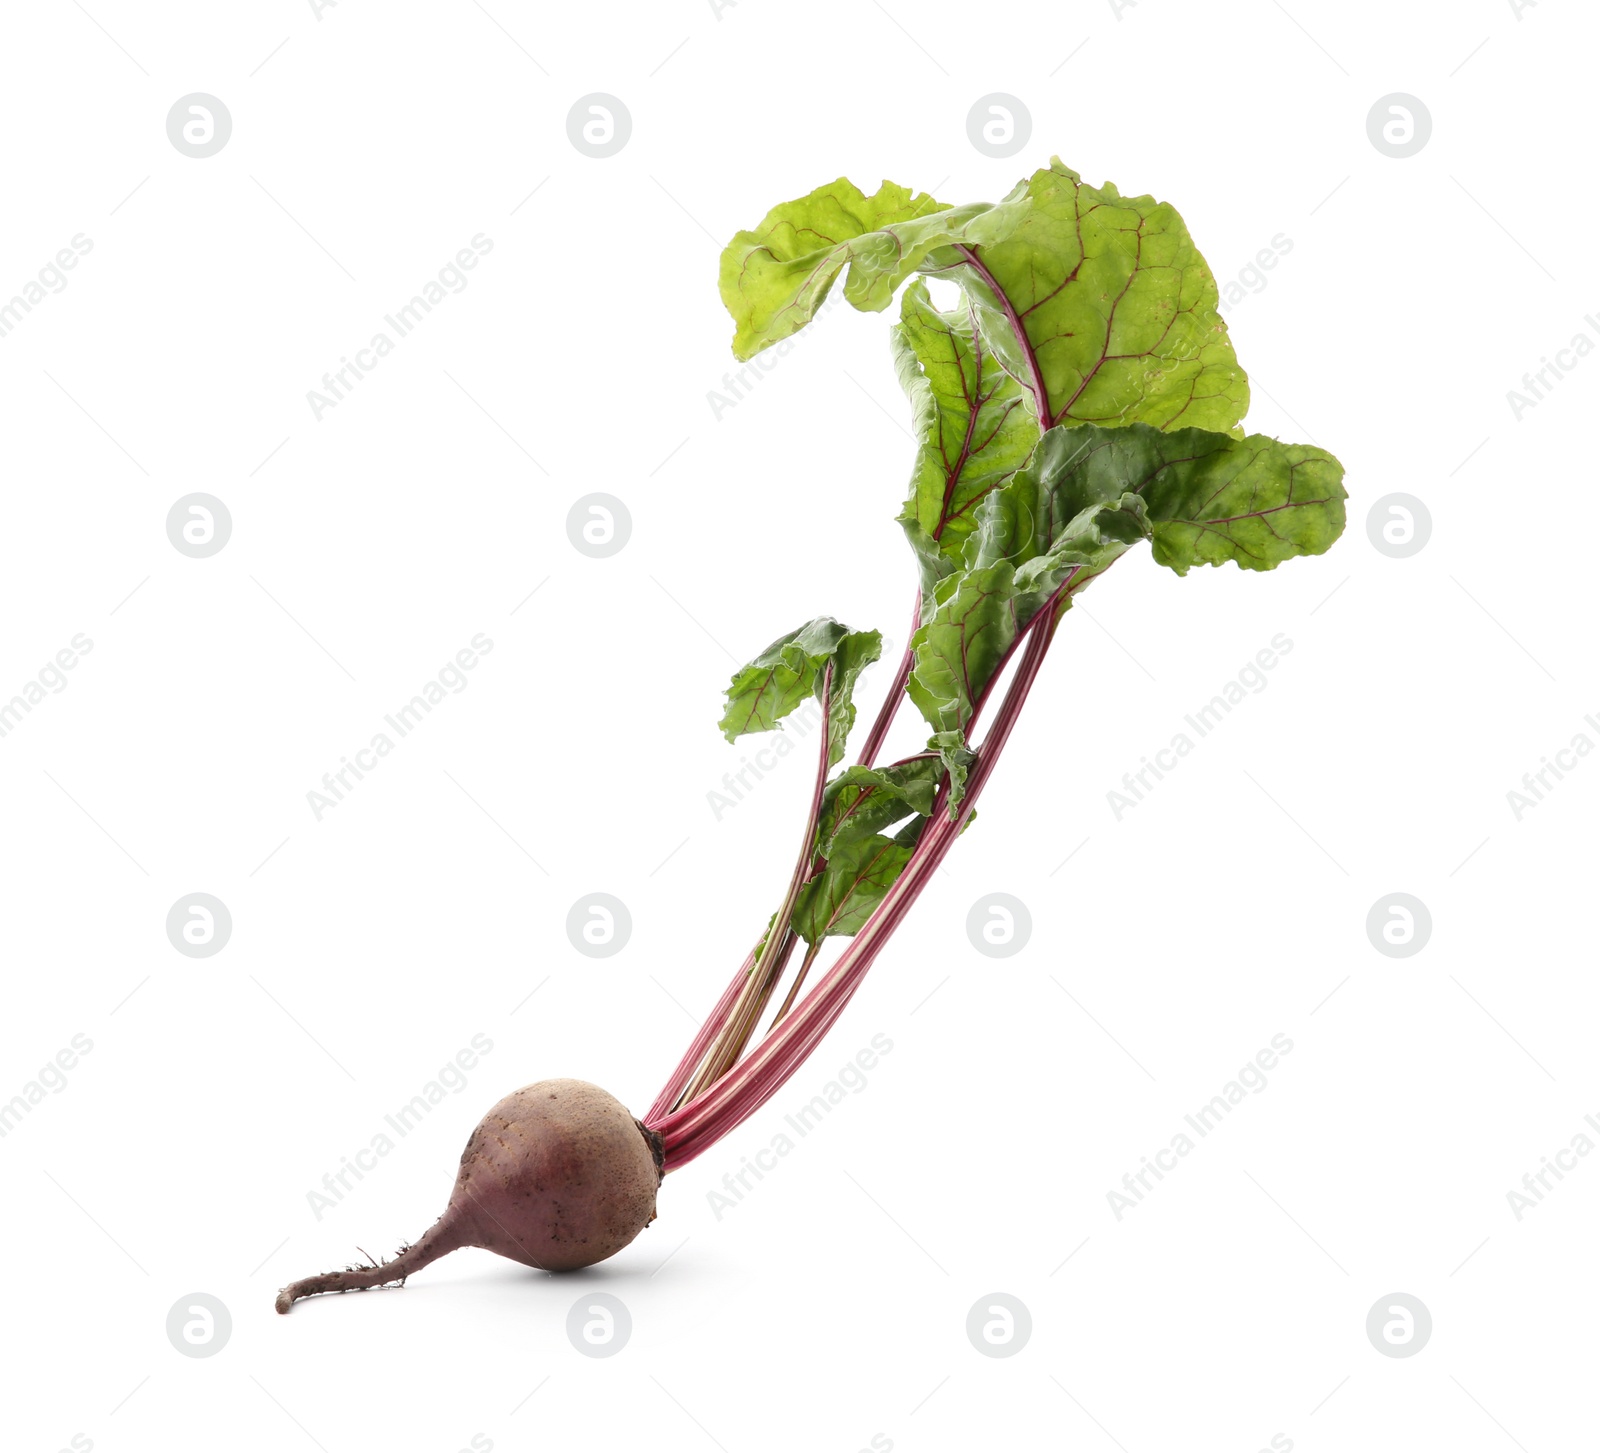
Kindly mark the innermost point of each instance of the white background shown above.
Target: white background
(828, 1306)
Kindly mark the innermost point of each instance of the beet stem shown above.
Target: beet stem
(799, 979)
(772, 957)
(704, 1118)
(897, 688)
(696, 1052)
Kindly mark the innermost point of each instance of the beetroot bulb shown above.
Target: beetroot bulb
(557, 1176)
(1046, 451)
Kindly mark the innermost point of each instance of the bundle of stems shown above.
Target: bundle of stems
(717, 1085)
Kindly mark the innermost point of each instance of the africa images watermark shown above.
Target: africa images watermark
(52, 278)
(1536, 785)
(451, 1077)
(51, 677)
(51, 1077)
(337, 385)
(738, 785)
(850, 1080)
(1252, 277)
(1251, 1077)
(1540, 383)
(736, 387)
(451, 680)
(1535, 1184)
(1251, 680)
(754, 767)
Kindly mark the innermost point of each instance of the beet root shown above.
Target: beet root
(557, 1176)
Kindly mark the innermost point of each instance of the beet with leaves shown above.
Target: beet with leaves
(1080, 399)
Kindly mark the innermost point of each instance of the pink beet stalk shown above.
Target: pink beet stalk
(891, 703)
(681, 1076)
(696, 1125)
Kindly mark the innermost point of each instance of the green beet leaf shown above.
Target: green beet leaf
(1020, 557)
(774, 279)
(970, 627)
(1099, 305)
(956, 757)
(1116, 307)
(791, 670)
(972, 423)
(1023, 526)
(840, 898)
(861, 801)
(1256, 502)
(1208, 497)
(1085, 497)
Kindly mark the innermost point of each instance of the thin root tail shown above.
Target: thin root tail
(441, 1238)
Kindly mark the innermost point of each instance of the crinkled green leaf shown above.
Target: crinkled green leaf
(1085, 497)
(778, 680)
(842, 896)
(956, 757)
(790, 670)
(856, 652)
(774, 278)
(1022, 524)
(1020, 558)
(972, 424)
(1069, 471)
(864, 800)
(1256, 502)
(970, 627)
(1022, 553)
(1117, 308)
(1208, 497)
